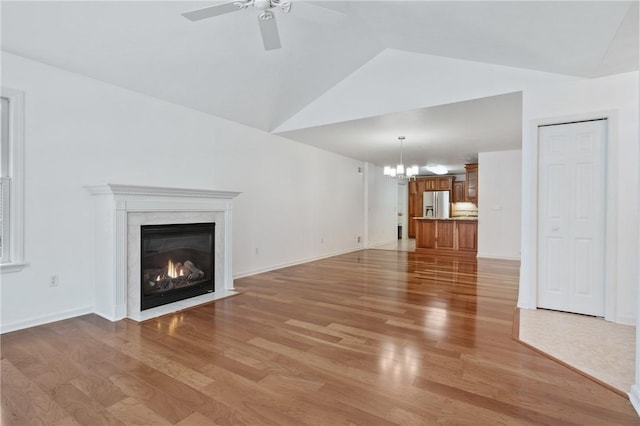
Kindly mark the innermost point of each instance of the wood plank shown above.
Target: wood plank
(25, 398)
(160, 402)
(132, 412)
(10, 413)
(197, 419)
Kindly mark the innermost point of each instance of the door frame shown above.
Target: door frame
(528, 292)
(404, 187)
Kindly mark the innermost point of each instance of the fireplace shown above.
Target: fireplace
(177, 262)
(121, 211)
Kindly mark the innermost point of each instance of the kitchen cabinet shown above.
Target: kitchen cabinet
(422, 186)
(426, 235)
(447, 235)
(413, 187)
(472, 182)
(468, 236)
(430, 184)
(444, 183)
(417, 187)
(458, 192)
(413, 211)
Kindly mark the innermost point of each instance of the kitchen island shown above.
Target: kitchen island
(457, 235)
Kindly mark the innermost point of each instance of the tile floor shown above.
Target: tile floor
(602, 349)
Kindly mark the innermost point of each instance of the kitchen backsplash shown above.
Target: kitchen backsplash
(464, 210)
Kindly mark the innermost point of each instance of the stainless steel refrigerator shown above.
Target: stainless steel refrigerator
(436, 204)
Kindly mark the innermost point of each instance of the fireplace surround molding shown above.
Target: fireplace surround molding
(120, 210)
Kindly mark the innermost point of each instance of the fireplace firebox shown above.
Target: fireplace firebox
(177, 262)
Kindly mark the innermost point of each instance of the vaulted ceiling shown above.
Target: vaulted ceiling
(218, 65)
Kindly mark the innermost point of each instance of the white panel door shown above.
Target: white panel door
(571, 217)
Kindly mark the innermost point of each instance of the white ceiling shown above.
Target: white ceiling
(450, 135)
(218, 65)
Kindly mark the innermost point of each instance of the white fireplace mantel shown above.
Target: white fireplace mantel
(120, 210)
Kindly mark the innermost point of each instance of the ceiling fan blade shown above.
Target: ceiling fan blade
(269, 31)
(208, 12)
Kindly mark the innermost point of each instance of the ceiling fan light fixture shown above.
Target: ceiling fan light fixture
(262, 4)
(265, 15)
(242, 4)
(438, 170)
(285, 5)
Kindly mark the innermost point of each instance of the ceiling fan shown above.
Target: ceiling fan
(266, 17)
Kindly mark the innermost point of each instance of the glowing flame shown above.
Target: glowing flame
(175, 270)
(171, 270)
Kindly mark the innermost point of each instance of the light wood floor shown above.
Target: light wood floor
(370, 338)
(399, 245)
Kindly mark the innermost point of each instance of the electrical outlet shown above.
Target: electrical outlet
(257, 250)
(358, 239)
(54, 280)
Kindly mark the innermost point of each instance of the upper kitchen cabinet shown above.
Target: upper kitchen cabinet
(413, 187)
(444, 183)
(430, 184)
(472, 182)
(412, 208)
(458, 195)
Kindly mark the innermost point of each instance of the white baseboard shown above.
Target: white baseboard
(293, 263)
(531, 308)
(618, 320)
(382, 243)
(625, 320)
(634, 397)
(58, 316)
(494, 256)
(32, 322)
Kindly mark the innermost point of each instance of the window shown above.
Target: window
(11, 180)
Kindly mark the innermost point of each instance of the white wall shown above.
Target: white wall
(634, 395)
(616, 96)
(382, 226)
(297, 202)
(635, 389)
(499, 194)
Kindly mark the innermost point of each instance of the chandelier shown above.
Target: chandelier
(400, 171)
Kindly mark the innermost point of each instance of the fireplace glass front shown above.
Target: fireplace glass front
(177, 262)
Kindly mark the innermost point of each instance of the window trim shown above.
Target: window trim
(16, 173)
(5, 193)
